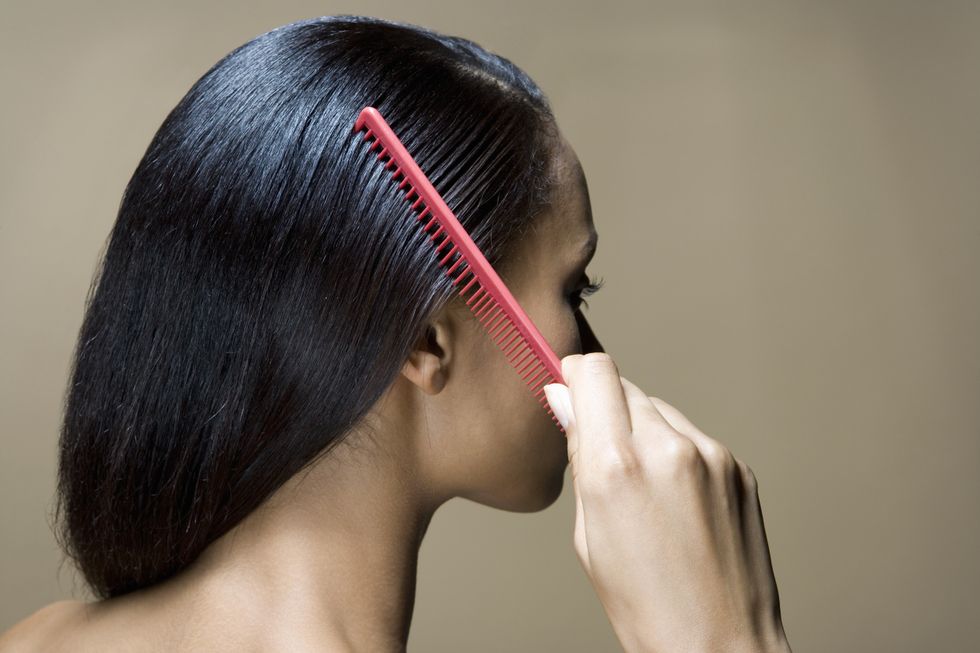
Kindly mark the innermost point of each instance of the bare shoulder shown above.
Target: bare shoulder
(43, 629)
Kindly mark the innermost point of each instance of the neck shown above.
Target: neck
(331, 557)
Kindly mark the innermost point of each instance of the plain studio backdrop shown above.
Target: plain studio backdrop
(788, 197)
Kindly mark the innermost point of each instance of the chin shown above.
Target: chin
(549, 482)
(538, 485)
(550, 491)
(536, 495)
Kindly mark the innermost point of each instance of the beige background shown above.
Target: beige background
(788, 197)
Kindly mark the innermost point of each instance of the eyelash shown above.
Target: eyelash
(592, 287)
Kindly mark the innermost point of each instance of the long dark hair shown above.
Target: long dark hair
(264, 282)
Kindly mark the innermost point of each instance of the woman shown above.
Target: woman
(274, 388)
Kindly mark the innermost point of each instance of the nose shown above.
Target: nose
(589, 342)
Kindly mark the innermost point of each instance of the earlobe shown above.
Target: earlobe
(428, 362)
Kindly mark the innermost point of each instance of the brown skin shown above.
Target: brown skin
(668, 524)
(329, 562)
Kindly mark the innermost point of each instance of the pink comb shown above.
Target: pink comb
(490, 300)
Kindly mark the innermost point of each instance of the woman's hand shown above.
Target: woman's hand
(668, 524)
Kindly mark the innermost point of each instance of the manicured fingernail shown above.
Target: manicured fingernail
(560, 401)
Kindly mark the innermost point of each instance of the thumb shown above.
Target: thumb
(561, 406)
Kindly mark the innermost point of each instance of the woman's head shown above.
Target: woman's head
(485, 437)
(264, 291)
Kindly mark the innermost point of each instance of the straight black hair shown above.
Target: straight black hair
(263, 282)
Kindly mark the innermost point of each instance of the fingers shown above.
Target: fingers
(601, 414)
(676, 418)
(560, 403)
(725, 470)
(753, 523)
(642, 409)
(716, 455)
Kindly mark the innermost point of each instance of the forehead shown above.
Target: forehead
(568, 223)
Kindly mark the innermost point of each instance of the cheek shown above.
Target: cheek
(567, 337)
(522, 453)
(515, 406)
(559, 326)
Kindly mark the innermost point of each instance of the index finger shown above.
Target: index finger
(602, 414)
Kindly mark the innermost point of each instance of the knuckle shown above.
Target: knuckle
(680, 453)
(598, 360)
(647, 423)
(660, 403)
(569, 363)
(589, 366)
(749, 481)
(718, 456)
(597, 356)
(618, 465)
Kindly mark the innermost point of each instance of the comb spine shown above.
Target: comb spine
(476, 264)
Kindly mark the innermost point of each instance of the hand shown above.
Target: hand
(668, 525)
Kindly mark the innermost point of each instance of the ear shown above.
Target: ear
(428, 363)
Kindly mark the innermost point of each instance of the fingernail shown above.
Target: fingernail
(560, 401)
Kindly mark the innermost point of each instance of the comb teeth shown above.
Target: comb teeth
(489, 299)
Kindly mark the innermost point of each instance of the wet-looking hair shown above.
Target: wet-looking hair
(264, 282)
